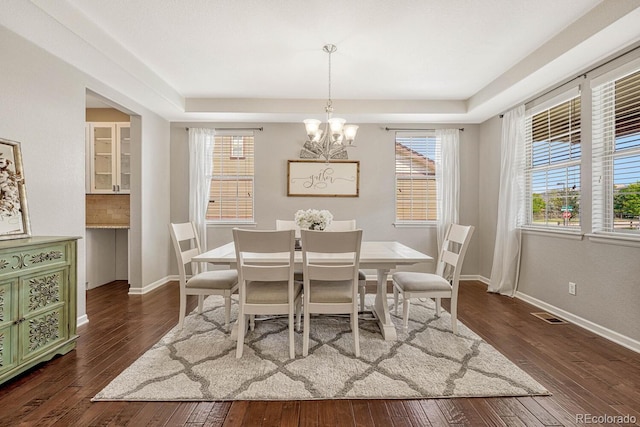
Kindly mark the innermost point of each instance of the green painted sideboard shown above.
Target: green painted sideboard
(38, 293)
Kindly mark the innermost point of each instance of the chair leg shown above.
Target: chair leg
(438, 306)
(406, 303)
(356, 332)
(454, 314)
(241, 328)
(200, 303)
(298, 313)
(183, 308)
(227, 311)
(363, 290)
(292, 349)
(252, 322)
(305, 333)
(395, 299)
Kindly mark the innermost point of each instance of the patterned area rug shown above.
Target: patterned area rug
(198, 363)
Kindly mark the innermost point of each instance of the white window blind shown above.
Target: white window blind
(616, 153)
(416, 196)
(232, 180)
(552, 171)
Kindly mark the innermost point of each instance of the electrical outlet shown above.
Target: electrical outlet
(572, 288)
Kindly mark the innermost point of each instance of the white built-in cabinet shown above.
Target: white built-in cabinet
(109, 152)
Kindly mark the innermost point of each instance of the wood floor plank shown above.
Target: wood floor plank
(326, 414)
(379, 413)
(273, 414)
(217, 415)
(585, 374)
(417, 414)
(236, 414)
(290, 414)
(361, 413)
(344, 413)
(309, 413)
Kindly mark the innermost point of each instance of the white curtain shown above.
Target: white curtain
(200, 164)
(506, 255)
(447, 180)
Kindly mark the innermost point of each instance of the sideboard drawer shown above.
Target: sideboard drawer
(32, 258)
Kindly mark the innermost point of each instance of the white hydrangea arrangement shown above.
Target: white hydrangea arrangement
(313, 219)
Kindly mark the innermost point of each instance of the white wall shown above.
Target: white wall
(43, 107)
(374, 209)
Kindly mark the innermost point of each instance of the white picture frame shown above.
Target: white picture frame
(14, 215)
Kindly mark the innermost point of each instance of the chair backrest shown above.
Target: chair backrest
(285, 224)
(186, 245)
(264, 255)
(331, 256)
(343, 225)
(454, 248)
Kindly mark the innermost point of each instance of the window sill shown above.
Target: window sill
(415, 225)
(250, 224)
(615, 239)
(562, 234)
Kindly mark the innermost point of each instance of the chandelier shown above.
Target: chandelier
(330, 142)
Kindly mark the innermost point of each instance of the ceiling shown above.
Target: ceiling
(401, 61)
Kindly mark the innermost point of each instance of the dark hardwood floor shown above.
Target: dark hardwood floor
(586, 374)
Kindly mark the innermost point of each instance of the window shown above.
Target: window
(416, 177)
(237, 147)
(616, 151)
(552, 171)
(231, 191)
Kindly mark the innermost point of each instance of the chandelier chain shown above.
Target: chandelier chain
(329, 102)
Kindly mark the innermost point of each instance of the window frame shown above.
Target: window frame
(605, 151)
(224, 157)
(571, 162)
(428, 135)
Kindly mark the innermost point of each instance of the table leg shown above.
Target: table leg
(381, 308)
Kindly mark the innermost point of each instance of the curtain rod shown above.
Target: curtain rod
(408, 129)
(258, 129)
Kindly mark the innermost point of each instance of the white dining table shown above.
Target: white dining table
(382, 256)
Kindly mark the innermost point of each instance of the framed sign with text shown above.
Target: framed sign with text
(308, 178)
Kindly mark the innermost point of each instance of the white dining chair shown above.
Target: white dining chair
(349, 225)
(436, 285)
(285, 224)
(219, 282)
(266, 287)
(331, 285)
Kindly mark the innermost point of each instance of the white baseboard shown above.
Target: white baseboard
(82, 320)
(475, 277)
(151, 286)
(614, 336)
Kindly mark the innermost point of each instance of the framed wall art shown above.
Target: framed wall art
(308, 178)
(14, 215)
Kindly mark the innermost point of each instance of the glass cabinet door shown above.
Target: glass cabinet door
(124, 138)
(103, 139)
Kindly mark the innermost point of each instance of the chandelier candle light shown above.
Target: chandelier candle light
(331, 142)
